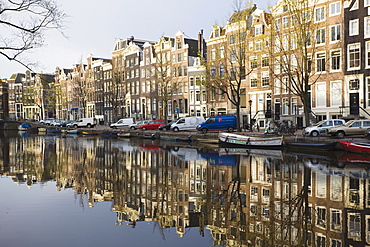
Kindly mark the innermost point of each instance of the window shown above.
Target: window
(258, 45)
(366, 3)
(335, 33)
(265, 61)
(353, 27)
(232, 39)
(321, 216)
(320, 62)
(320, 241)
(320, 14)
(367, 27)
(253, 80)
(253, 62)
(321, 95)
(285, 21)
(233, 56)
(354, 226)
(222, 52)
(258, 30)
(179, 45)
(179, 57)
(354, 84)
(265, 79)
(335, 220)
(335, 60)
(353, 56)
(336, 93)
(334, 8)
(277, 24)
(336, 243)
(213, 54)
(320, 36)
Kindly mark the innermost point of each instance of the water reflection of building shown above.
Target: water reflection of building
(243, 198)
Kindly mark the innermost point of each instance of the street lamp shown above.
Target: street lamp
(250, 115)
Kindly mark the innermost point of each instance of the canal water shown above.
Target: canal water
(66, 190)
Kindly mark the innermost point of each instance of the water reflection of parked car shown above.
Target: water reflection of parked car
(166, 127)
(152, 125)
(322, 126)
(47, 121)
(137, 125)
(353, 127)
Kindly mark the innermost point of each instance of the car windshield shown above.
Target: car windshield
(317, 124)
(349, 123)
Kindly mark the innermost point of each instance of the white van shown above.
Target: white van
(122, 123)
(89, 122)
(187, 123)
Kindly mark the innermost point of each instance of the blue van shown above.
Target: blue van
(218, 123)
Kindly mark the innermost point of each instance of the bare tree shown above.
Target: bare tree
(116, 94)
(298, 40)
(163, 74)
(227, 64)
(22, 26)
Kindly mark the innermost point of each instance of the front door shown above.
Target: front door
(354, 104)
(277, 111)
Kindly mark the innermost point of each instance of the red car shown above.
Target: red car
(152, 125)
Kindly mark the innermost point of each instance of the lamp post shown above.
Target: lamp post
(250, 115)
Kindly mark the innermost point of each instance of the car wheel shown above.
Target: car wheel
(89, 126)
(164, 129)
(204, 131)
(76, 126)
(176, 129)
(230, 129)
(144, 128)
(340, 134)
(132, 128)
(314, 133)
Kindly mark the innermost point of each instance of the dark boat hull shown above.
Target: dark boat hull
(309, 145)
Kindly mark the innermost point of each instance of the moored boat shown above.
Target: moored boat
(250, 141)
(24, 127)
(124, 134)
(312, 145)
(176, 139)
(356, 147)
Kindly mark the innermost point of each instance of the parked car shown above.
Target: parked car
(47, 121)
(124, 122)
(352, 127)
(88, 122)
(137, 125)
(166, 127)
(217, 123)
(152, 125)
(322, 126)
(187, 123)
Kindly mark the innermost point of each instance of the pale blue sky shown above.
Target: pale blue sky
(94, 24)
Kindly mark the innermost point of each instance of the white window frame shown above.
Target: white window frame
(331, 60)
(316, 60)
(357, 45)
(320, 14)
(367, 55)
(335, 33)
(335, 93)
(321, 94)
(353, 27)
(334, 8)
(367, 26)
(320, 37)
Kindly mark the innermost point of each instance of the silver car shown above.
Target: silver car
(322, 126)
